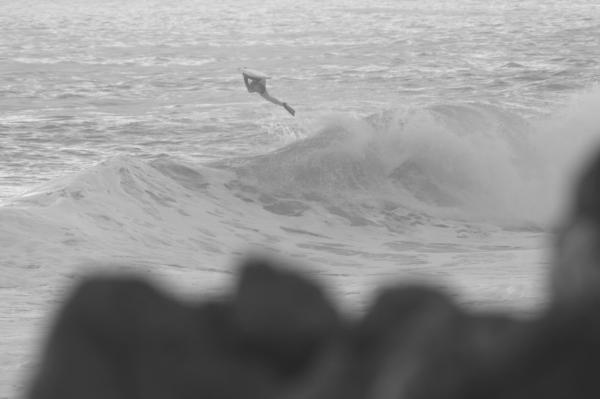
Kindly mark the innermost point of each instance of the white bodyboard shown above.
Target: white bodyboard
(253, 73)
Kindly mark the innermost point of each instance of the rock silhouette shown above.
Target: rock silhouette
(122, 338)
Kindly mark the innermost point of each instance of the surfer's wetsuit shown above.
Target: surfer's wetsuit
(260, 86)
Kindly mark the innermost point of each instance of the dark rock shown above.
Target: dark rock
(587, 194)
(122, 338)
(576, 266)
(414, 342)
(399, 341)
(555, 357)
(282, 318)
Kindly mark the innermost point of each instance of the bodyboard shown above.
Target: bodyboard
(254, 74)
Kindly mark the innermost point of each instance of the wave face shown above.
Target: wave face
(461, 161)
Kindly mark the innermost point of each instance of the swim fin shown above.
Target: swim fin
(289, 109)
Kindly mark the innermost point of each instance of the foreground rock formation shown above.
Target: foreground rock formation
(278, 336)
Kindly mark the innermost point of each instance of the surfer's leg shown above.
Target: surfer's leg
(275, 101)
(289, 109)
(267, 97)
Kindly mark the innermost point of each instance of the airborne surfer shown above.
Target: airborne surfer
(256, 84)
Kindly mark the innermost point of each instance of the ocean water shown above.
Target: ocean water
(433, 142)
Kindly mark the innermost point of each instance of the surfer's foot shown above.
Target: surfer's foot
(289, 109)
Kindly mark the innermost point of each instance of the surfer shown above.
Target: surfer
(259, 85)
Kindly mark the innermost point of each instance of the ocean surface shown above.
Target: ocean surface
(433, 142)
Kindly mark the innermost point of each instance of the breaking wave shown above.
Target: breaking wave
(469, 163)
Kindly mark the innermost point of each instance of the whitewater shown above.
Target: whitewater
(433, 142)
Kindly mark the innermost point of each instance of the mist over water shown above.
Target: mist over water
(433, 141)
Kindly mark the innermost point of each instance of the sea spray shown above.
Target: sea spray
(469, 161)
